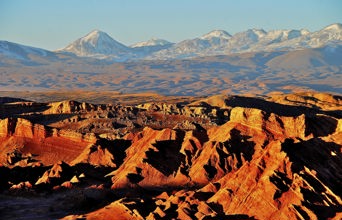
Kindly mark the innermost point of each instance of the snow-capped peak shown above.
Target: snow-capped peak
(151, 42)
(304, 31)
(256, 32)
(96, 35)
(216, 34)
(333, 27)
(277, 36)
(96, 44)
(98, 38)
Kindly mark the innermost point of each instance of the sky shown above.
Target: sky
(53, 24)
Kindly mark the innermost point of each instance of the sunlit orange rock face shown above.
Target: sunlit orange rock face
(276, 158)
(49, 144)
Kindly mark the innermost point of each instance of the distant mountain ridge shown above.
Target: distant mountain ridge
(98, 44)
(218, 42)
(151, 42)
(21, 52)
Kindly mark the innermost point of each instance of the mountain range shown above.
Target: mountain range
(98, 44)
(254, 61)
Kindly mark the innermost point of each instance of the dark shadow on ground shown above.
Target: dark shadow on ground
(276, 108)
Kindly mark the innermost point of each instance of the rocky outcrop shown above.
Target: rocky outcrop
(153, 160)
(69, 106)
(58, 173)
(95, 155)
(44, 144)
(279, 127)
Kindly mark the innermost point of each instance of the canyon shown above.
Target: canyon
(155, 157)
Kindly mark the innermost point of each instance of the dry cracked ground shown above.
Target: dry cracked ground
(155, 157)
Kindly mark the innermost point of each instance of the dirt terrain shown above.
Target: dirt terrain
(170, 157)
(245, 73)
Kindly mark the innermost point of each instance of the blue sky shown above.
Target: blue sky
(54, 24)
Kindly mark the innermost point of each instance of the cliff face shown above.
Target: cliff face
(265, 160)
(21, 128)
(20, 136)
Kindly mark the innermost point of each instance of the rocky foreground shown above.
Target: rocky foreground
(223, 157)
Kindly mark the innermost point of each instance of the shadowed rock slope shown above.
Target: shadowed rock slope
(222, 157)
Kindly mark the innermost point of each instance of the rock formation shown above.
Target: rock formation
(223, 157)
